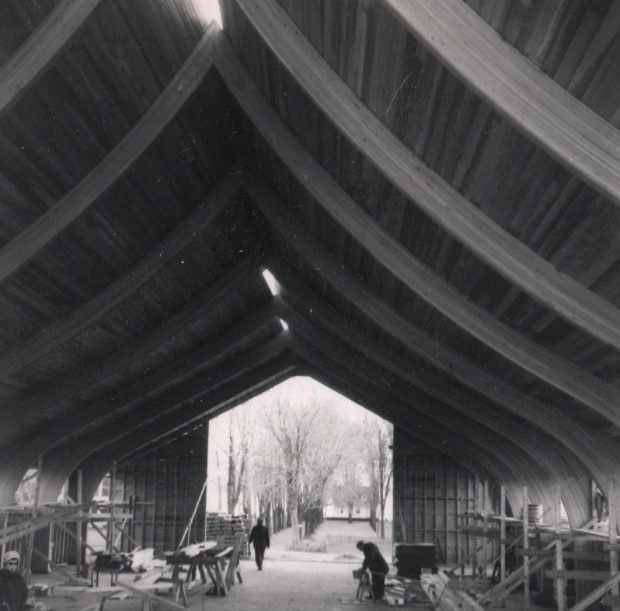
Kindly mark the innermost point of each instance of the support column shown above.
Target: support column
(526, 558)
(502, 533)
(613, 537)
(78, 527)
(560, 584)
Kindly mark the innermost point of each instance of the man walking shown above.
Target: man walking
(259, 537)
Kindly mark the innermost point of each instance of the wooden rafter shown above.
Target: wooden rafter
(439, 388)
(41, 48)
(49, 225)
(247, 377)
(114, 405)
(64, 329)
(547, 417)
(560, 124)
(444, 204)
(168, 403)
(216, 294)
(391, 407)
(563, 375)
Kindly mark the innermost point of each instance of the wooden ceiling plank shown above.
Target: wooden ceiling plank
(49, 225)
(345, 283)
(38, 52)
(570, 132)
(421, 280)
(459, 217)
(62, 330)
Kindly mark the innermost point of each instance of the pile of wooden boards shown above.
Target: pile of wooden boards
(445, 595)
(401, 590)
(225, 530)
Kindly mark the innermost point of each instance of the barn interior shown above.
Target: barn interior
(414, 203)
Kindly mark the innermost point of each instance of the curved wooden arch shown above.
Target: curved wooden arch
(50, 224)
(41, 48)
(65, 329)
(230, 282)
(441, 202)
(426, 384)
(548, 418)
(254, 370)
(510, 446)
(565, 128)
(502, 466)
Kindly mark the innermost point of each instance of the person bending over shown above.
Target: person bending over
(375, 562)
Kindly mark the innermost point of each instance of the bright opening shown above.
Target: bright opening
(208, 11)
(271, 282)
(284, 324)
(314, 465)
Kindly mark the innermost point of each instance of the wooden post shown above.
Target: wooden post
(78, 528)
(111, 522)
(35, 511)
(613, 536)
(502, 533)
(485, 501)
(559, 555)
(526, 558)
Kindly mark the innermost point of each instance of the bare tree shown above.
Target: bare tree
(379, 460)
(237, 460)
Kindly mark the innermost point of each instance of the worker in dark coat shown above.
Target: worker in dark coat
(259, 537)
(376, 564)
(13, 591)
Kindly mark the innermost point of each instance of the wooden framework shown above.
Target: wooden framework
(443, 226)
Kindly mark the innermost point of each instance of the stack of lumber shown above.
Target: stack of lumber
(400, 590)
(225, 530)
(446, 596)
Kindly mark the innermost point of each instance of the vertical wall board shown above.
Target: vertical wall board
(163, 487)
(435, 493)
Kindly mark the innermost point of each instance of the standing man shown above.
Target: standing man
(13, 591)
(259, 537)
(375, 562)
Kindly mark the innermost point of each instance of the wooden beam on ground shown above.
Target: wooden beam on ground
(49, 225)
(567, 129)
(64, 329)
(444, 204)
(596, 594)
(548, 418)
(41, 48)
(576, 382)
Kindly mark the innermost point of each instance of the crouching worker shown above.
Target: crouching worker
(375, 562)
(13, 591)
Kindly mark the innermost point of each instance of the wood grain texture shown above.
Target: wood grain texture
(33, 57)
(570, 132)
(409, 174)
(49, 225)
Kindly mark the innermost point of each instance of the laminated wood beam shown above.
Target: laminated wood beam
(444, 204)
(232, 281)
(159, 413)
(551, 419)
(422, 386)
(66, 328)
(595, 452)
(49, 225)
(505, 442)
(39, 51)
(432, 432)
(115, 404)
(564, 127)
(258, 380)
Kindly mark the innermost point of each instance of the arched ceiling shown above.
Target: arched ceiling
(434, 185)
